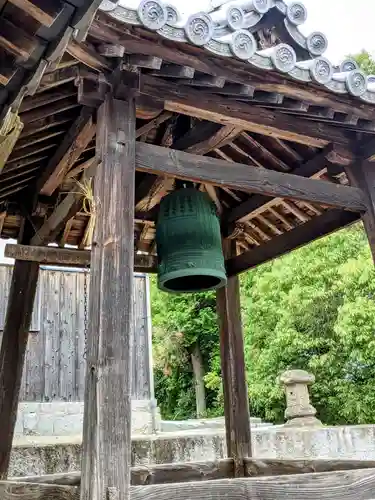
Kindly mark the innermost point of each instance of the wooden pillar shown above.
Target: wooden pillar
(236, 402)
(12, 353)
(361, 174)
(106, 450)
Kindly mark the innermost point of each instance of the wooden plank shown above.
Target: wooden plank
(67, 310)
(35, 11)
(51, 320)
(12, 353)
(204, 471)
(316, 228)
(349, 485)
(73, 145)
(156, 159)
(342, 485)
(68, 256)
(179, 99)
(26, 491)
(106, 448)
(236, 401)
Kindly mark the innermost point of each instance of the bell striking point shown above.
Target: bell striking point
(188, 243)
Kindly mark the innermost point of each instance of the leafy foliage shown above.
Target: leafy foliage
(312, 309)
(366, 62)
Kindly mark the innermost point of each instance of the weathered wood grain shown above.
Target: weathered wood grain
(236, 401)
(180, 99)
(316, 228)
(349, 485)
(74, 143)
(69, 257)
(156, 159)
(361, 175)
(12, 352)
(204, 471)
(26, 491)
(343, 485)
(106, 456)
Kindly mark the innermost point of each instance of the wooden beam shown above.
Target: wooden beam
(236, 401)
(179, 99)
(12, 353)
(68, 257)
(316, 228)
(25, 491)
(45, 16)
(75, 142)
(147, 127)
(341, 485)
(361, 174)
(106, 448)
(163, 161)
(206, 136)
(204, 471)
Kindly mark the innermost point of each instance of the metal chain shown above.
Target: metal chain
(85, 315)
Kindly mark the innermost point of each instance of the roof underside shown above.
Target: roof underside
(246, 56)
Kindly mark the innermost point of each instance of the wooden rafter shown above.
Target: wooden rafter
(247, 209)
(303, 234)
(253, 119)
(75, 142)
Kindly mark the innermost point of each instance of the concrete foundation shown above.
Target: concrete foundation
(40, 455)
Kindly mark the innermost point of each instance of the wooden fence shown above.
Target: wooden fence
(55, 364)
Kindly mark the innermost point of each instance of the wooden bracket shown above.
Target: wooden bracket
(127, 83)
(92, 89)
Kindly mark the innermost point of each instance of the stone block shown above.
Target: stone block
(68, 425)
(30, 423)
(45, 424)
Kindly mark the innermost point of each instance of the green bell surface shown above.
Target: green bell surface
(188, 241)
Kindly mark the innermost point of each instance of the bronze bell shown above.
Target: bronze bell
(189, 243)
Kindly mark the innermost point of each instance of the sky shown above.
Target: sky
(349, 26)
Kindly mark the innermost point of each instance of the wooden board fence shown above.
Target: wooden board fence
(54, 368)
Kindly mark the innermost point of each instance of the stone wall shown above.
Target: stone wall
(36, 455)
(66, 419)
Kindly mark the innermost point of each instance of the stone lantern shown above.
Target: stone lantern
(299, 411)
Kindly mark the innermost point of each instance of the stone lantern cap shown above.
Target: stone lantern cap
(291, 377)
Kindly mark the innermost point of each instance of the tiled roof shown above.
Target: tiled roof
(229, 29)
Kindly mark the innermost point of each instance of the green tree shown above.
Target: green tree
(365, 61)
(185, 344)
(312, 309)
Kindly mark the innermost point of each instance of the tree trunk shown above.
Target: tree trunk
(200, 390)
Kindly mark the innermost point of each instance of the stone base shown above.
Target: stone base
(303, 421)
(66, 419)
